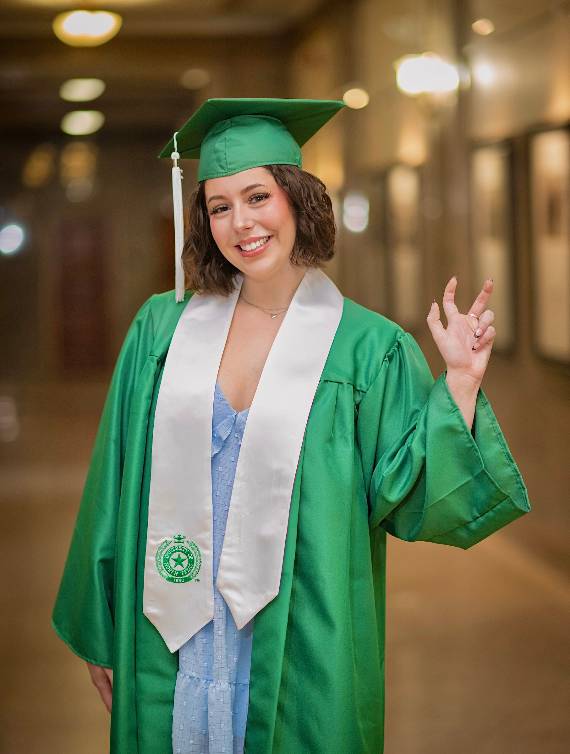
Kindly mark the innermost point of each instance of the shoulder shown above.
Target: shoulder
(362, 320)
(165, 305)
(363, 339)
(160, 314)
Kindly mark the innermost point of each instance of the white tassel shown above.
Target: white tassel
(178, 224)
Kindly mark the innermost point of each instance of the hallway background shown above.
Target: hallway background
(471, 180)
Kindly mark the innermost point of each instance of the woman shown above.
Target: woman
(259, 626)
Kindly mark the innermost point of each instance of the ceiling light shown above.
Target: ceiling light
(483, 26)
(82, 122)
(81, 90)
(426, 74)
(85, 28)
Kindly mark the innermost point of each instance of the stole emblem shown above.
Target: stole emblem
(178, 560)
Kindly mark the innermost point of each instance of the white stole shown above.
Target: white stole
(178, 579)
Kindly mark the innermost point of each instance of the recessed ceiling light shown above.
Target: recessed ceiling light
(426, 74)
(85, 28)
(81, 90)
(82, 122)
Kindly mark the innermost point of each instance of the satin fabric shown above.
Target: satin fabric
(181, 484)
(229, 135)
(386, 449)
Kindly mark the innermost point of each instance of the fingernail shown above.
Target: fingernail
(478, 333)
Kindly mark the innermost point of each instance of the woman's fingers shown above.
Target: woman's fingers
(487, 318)
(103, 683)
(434, 323)
(449, 306)
(487, 337)
(480, 303)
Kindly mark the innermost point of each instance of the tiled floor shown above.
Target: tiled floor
(476, 639)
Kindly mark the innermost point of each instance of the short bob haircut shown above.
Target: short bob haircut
(206, 268)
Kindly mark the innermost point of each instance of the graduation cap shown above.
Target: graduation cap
(230, 135)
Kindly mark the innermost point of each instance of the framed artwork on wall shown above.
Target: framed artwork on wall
(404, 255)
(549, 193)
(492, 234)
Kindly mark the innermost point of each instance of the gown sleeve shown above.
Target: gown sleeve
(83, 612)
(427, 476)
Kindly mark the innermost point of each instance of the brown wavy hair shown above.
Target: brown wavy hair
(206, 268)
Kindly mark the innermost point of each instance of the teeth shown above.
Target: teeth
(256, 245)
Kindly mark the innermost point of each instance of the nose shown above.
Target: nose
(241, 218)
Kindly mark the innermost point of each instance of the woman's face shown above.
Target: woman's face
(252, 221)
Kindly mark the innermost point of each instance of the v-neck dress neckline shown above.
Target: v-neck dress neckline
(211, 697)
(223, 395)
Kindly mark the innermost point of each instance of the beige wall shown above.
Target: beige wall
(532, 87)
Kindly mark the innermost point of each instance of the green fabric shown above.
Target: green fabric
(386, 449)
(230, 135)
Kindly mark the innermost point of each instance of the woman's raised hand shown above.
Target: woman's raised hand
(102, 679)
(466, 343)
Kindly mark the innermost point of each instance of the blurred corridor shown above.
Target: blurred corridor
(468, 175)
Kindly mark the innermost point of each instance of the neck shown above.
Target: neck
(275, 292)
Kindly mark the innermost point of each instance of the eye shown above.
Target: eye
(217, 210)
(260, 197)
(256, 197)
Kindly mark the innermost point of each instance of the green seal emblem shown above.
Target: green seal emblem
(178, 560)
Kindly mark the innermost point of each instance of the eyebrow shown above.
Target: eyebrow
(243, 191)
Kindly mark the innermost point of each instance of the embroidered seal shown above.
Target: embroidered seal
(178, 560)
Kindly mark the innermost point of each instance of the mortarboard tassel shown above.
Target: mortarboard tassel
(178, 223)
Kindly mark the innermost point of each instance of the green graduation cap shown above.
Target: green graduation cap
(230, 135)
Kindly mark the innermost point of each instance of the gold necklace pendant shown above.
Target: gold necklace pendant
(265, 311)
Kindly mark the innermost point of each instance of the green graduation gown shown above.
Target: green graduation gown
(386, 449)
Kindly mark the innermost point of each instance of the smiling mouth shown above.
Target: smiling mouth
(254, 245)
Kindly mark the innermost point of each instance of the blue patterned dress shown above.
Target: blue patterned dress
(212, 686)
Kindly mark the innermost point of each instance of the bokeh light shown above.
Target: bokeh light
(12, 237)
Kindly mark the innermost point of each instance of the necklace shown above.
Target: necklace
(272, 312)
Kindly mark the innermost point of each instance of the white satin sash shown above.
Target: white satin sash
(178, 580)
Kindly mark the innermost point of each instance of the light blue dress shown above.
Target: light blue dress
(212, 686)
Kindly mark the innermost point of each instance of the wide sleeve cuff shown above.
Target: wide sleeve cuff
(473, 486)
